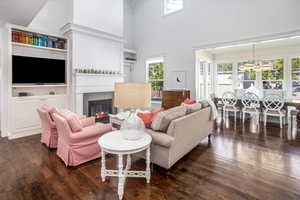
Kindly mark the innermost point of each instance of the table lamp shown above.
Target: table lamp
(132, 96)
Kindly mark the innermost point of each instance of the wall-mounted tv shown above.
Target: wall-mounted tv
(32, 70)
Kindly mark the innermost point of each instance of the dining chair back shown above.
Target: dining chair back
(229, 99)
(273, 102)
(250, 100)
(229, 104)
(251, 105)
(273, 107)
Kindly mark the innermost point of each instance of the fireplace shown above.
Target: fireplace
(100, 109)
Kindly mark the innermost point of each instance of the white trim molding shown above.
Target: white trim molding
(70, 27)
(275, 36)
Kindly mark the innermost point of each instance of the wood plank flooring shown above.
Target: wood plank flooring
(241, 162)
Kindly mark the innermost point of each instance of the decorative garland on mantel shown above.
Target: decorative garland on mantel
(96, 71)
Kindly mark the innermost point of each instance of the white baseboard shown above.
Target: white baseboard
(24, 134)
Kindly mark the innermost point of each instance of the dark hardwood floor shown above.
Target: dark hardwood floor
(241, 162)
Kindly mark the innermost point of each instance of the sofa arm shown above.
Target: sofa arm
(160, 138)
(89, 121)
(90, 134)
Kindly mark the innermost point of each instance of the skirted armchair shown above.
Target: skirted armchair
(78, 143)
(49, 134)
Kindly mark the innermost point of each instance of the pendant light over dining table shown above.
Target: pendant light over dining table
(255, 65)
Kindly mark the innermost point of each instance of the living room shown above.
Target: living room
(149, 99)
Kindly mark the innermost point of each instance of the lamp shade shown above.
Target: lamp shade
(132, 95)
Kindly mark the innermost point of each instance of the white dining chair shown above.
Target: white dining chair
(273, 107)
(229, 104)
(251, 105)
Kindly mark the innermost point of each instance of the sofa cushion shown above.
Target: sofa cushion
(163, 119)
(160, 138)
(193, 107)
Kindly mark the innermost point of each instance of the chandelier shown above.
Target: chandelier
(255, 65)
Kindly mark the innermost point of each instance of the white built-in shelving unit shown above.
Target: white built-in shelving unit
(19, 115)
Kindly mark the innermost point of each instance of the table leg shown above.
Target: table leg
(148, 172)
(103, 169)
(121, 177)
(128, 164)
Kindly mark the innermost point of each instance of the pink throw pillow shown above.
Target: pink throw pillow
(72, 119)
(74, 123)
(148, 117)
(189, 101)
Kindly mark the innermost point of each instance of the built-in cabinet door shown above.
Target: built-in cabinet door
(24, 112)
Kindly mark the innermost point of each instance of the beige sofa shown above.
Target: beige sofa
(183, 134)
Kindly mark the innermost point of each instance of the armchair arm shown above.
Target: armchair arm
(82, 117)
(90, 134)
(89, 121)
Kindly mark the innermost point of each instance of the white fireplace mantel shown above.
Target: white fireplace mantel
(93, 83)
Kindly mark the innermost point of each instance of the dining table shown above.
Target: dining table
(287, 103)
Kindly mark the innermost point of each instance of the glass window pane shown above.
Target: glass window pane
(296, 69)
(247, 74)
(274, 85)
(173, 6)
(276, 72)
(157, 87)
(156, 71)
(246, 84)
(296, 89)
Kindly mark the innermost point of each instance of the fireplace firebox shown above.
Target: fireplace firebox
(100, 109)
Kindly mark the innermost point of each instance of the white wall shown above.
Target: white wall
(103, 15)
(201, 23)
(128, 24)
(92, 52)
(54, 15)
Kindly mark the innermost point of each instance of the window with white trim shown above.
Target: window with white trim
(156, 77)
(295, 76)
(273, 78)
(171, 6)
(246, 78)
(224, 78)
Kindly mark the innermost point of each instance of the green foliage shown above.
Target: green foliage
(156, 71)
(156, 76)
(225, 68)
(276, 73)
(295, 68)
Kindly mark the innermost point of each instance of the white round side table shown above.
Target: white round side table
(114, 143)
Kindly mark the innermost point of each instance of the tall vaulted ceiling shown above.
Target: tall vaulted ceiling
(20, 12)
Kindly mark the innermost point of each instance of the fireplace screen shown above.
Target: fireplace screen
(100, 109)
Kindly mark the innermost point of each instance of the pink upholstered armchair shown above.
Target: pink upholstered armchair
(77, 147)
(49, 132)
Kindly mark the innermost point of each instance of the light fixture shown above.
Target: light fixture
(255, 65)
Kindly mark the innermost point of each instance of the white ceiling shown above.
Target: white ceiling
(20, 12)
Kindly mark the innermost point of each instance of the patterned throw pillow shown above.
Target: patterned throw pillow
(148, 117)
(163, 119)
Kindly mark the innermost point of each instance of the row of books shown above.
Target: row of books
(37, 39)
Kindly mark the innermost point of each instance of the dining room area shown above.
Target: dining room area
(252, 81)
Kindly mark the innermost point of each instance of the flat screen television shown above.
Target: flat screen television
(32, 70)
